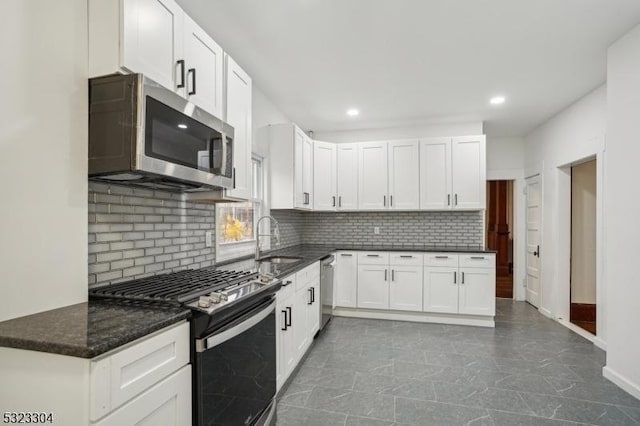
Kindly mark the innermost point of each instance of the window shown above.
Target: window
(236, 222)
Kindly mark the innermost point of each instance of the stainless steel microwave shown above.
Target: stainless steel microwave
(143, 134)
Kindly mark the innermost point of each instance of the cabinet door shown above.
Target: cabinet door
(167, 403)
(435, 174)
(313, 310)
(478, 291)
(346, 280)
(285, 338)
(347, 176)
(405, 289)
(299, 323)
(153, 40)
(204, 73)
(239, 102)
(324, 176)
(469, 173)
(373, 172)
(373, 287)
(307, 171)
(300, 198)
(404, 176)
(441, 290)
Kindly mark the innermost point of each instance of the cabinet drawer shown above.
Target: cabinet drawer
(477, 260)
(117, 378)
(408, 259)
(373, 258)
(441, 259)
(168, 403)
(306, 275)
(288, 286)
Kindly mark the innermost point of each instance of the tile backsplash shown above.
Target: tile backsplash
(397, 228)
(134, 233)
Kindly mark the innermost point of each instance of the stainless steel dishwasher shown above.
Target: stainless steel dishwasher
(326, 290)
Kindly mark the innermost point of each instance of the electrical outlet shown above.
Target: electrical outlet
(207, 239)
(376, 230)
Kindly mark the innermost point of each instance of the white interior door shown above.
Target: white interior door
(534, 221)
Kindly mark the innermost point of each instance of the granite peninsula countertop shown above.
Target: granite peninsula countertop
(310, 253)
(88, 329)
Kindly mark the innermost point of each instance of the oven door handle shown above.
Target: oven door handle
(216, 339)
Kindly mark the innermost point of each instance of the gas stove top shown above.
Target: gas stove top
(206, 290)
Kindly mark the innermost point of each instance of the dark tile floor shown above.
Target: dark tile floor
(529, 370)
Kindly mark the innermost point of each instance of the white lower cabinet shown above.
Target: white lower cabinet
(458, 289)
(298, 319)
(373, 286)
(346, 279)
(440, 289)
(477, 291)
(167, 403)
(405, 289)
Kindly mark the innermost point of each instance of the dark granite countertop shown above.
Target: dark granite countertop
(310, 253)
(86, 330)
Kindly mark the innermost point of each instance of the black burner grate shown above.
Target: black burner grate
(177, 287)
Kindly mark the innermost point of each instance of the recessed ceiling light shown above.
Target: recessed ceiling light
(497, 100)
(182, 126)
(353, 112)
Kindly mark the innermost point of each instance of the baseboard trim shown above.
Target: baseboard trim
(578, 330)
(546, 312)
(621, 381)
(473, 320)
(600, 343)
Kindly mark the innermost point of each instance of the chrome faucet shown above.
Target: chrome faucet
(276, 233)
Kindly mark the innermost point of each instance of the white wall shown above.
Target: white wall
(264, 113)
(432, 130)
(572, 135)
(621, 212)
(43, 155)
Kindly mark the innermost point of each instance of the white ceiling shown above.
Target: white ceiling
(412, 62)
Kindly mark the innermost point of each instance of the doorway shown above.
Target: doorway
(500, 233)
(583, 246)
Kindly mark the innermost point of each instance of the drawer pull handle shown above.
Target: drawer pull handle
(346, 254)
(442, 257)
(477, 257)
(373, 255)
(406, 257)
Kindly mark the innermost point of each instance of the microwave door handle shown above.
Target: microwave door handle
(217, 339)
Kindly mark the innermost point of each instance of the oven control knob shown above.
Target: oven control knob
(217, 297)
(204, 302)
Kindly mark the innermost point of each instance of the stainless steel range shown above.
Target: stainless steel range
(233, 339)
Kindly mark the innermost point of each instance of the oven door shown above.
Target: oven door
(235, 369)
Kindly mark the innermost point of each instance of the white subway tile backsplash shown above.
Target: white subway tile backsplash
(132, 233)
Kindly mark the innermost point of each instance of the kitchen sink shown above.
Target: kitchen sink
(280, 259)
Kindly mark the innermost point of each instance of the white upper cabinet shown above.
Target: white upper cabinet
(156, 38)
(435, 174)
(324, 178)
(152, 39)
(404, 175)
(204, 74)
(291, 169)
(307, 172)
(453, 173)
(239, 107)
(347, 176)
(469, 172)
(372, 176)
